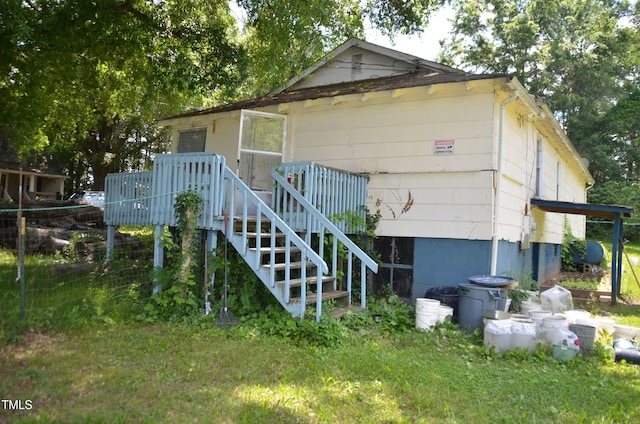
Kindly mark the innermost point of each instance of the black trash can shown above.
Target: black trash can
(446, 295)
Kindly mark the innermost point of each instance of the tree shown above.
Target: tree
(573, 53)
(284, 37)
(86, 80)
(97, 74)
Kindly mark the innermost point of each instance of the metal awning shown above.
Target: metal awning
(604, 211)
(588, 209)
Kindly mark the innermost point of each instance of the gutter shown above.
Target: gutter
(498, 174)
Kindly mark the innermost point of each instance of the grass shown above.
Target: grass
(630, 287)
(171, 373)
(88, 361)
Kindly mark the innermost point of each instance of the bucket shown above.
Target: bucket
(575, 314)
(527, 305)
(444, 311)
(497, 334)
(586, 334)
(523, 334)
(539, 314)
(550, 324)
(626, 332)
(473, 299)
(427, 313)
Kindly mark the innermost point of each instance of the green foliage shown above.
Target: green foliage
(526, 284)
(392, 314)
(90, 79)
(179, 297)
(274, 321)
(303, 31)
(576, 54)
(362, 225)
(615, 193)
(570, 247)
(246, 293)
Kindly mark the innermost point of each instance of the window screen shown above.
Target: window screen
(192, 141)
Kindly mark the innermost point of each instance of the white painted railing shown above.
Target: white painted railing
(148, 198)
(334, 193)
(201, 173)
(128, 197)
(314, 218)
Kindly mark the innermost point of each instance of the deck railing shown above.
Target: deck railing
(323, 224)
(148, 198)
(128, 197)
(202, 173)
(336, 194)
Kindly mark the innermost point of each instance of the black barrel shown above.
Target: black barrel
(632, 356)
(446, 295)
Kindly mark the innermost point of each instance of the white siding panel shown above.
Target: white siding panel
(455, 205)
(386, 135)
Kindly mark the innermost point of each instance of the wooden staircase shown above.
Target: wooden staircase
(287, 277)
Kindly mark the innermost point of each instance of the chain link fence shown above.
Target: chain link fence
(62, 279)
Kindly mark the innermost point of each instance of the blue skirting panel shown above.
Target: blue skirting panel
(547, 261)
(449, 262)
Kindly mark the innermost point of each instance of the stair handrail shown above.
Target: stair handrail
(365, 260)
(280, 224)
(315, 213)
(306, 250)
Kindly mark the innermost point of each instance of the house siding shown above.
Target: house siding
(339, 68)
(446, 201)
(392, 140)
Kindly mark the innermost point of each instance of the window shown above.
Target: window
(260, 147)
(539, 169)
(558, 179)
(192, 141)
(396, 254)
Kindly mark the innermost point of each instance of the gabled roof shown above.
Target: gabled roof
(416, 62)
(414, 79)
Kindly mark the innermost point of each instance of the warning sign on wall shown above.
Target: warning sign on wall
(443, 147)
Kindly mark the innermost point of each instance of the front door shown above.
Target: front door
(260, 147)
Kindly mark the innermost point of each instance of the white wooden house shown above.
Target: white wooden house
(453, 158)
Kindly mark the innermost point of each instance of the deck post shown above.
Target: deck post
(158, 254)
(616, 258)
(212, 243)
(111, 235)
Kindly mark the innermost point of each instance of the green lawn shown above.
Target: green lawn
(630, 288)
(176, 374)
(88, 361)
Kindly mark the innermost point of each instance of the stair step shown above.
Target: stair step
(263, 234)
(277, 249)
(311, 298)
(292, 265)
(297, 282)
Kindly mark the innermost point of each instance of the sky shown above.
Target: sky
(424, 45)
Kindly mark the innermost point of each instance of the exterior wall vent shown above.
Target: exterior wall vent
(356, 64)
